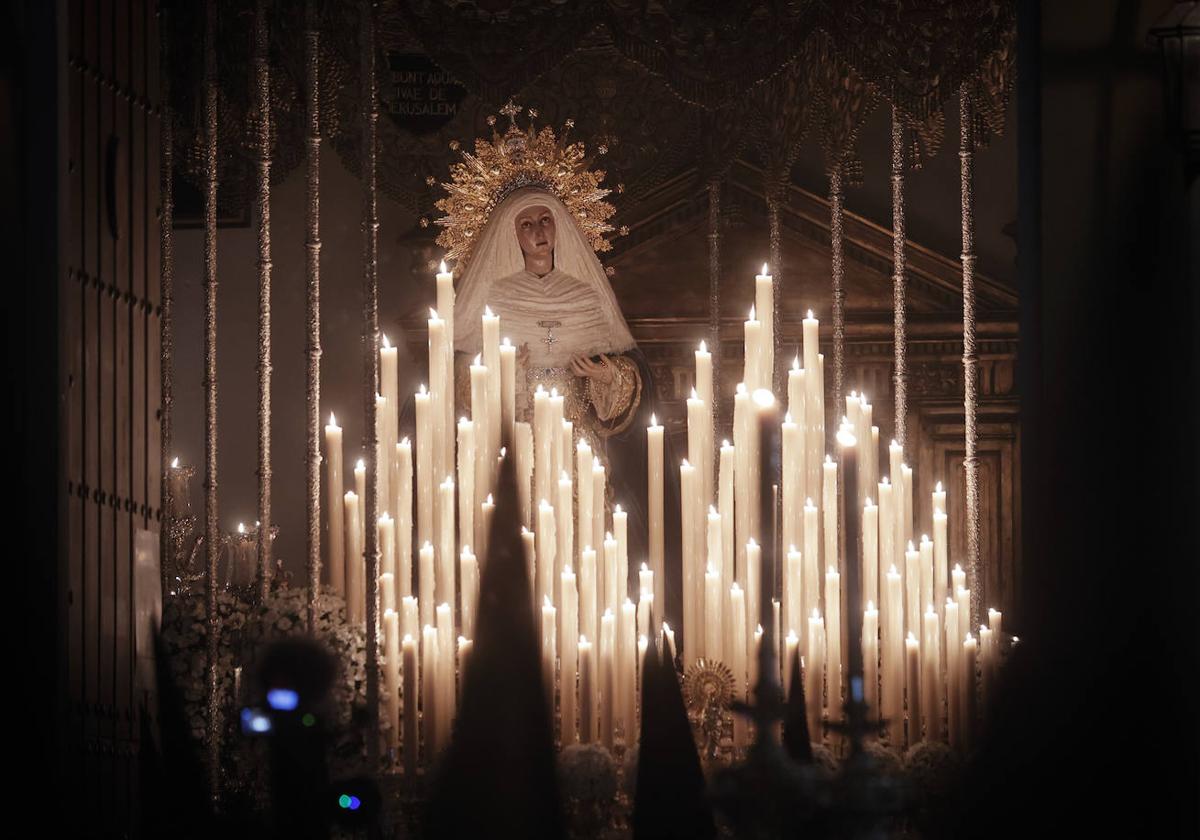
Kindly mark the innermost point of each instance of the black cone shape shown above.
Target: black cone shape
(796, 738)
(497, 777)
(671, 799)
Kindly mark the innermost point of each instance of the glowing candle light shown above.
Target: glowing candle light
(333, 504)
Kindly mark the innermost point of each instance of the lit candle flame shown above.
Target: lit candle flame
(433, 316)
(703, 346)
(796, 362)
(442, 267)
(333, 420)
(694, 397)
(241, 528)
(653, 419)
(764, 270)
(175, 463)
(752, 318)
(478, 359)
(489, 499)
(938, 488)
(504, 342)
(487, 311)
(423, 390)
(361, 465)
(404, 442)
(810, 315)
(387, 345)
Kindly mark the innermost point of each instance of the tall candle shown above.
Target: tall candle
(404, 530)
(564, 527)
(387, 589)
(621, 532)
(547, 542)
(426, 578)
(360, 491)
(508, 390)
(834, 661)
(764, 304)
(829, 513)
(425, 474)
(491, 361)
(752, 331)
(725, 507)
(465, 646)
(704, 391)
(693, 580)
(814, 661)
(912, 660)
(549, 651)
(887, 529)
(588, 601)
(908, 501)
(429, 692)
(791, 486)
(569, 633)
(814, 409)
(598, 498)
(557, 404)
(644, 608)
(355, 604)
(966, 686)
(335, 506)
(699, 421)
(951, 639)
(486, 511)
(411, 736)
(607, 674)
(626, 683)
(410, 620)
(444, 671)
(385, 445)
(654, 497)
(793, 591)
(791, 644)
(899, 529)
(543, 441)
(753, 567)
(940, 554)
(587, 692)
(444, 585)
(894, 674)
(485, 429)
(586, 488)
(870, 652)
(524, 471)
(612, 593)
(958, 578)
(743, 477)
(809, 562)
(931, 676)
(441, 396)
(738, 636)
(469, 577)
(870, 543)
(529, 543)
(925, 551)
(466, 482)
(712, 615)
(391, 675)
(912, 589)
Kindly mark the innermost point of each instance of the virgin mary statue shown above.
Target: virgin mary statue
(532, 261)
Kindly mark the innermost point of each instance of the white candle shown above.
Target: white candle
(940, 554)
(465, 646)
(899, 530)
(725, 507)
(612, 594)
(670, 634)
(743, 478)
(525, 471)
(793, 591)
(492, 363)
(962, 597)
(587, 692)
(444, 582)
(607, 674)
(410, 621)
(508, 390)
(486, 511)
(958, 578)
(791, 644)
(547, 542)
(425, 475)
(738, 636)
(870, 654)
(543, 442)
(966, 686)
(466, 482)
(809, 562)
(569, 632)
(704, 391)
(385, 444)
(693, 579)
(404, 530)
(598, 498)
(814, 409)
(583, 466)
(530, 545)
(469, 576)
(627, 671)
(925, 550)
(699, 421)
(391, 675)
(912, 589)
(887, 527)
(764, 304)
(870, 543)
(354, 560)
(549, 651)
(829, 511)
(429, 692)
(796, 395)
(987, 663)
(587, 594)
(752, 331)
(410, 705)
(931, 676)
(335, 506)
(754, 616)
(445, 672)
(564, 527)
(834, 662)
(645, 582)
(951, 637)
(908, 501)
(644, 608)
(912, 660)
(621, 532)
(360, 491)
(387, 592)
(425, 583)
(712, 615)
(654, 491)
(814, 661)
(892, 696)
(791, 487)
(485, 428)
(441, 397)
(557, 404)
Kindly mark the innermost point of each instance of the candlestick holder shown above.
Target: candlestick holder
(708, 693)
(241, 561)
(184, 570)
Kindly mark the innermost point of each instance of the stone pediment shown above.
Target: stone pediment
(662, 266)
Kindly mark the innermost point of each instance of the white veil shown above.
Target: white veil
(497, 255)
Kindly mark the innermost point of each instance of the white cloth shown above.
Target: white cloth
(576, 296)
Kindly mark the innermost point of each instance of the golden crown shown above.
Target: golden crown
(521, 158)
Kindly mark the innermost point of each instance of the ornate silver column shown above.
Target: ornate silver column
(166, 286)
(776, 190)
(262, 165)
(312, 307)
(899, 291)
(212, 535)
(966, 152)
(370, 115)
(837, 275)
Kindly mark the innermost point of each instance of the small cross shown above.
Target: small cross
(510, 110)
(549, 326)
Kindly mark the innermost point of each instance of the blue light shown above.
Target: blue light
(283, 699)
(355, 803)
(255, 721)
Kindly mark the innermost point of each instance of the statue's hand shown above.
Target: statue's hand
(599, 371)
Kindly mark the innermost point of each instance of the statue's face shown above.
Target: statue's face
(535, 231)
